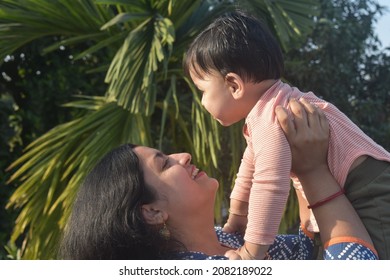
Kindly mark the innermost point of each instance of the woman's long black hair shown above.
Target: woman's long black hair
(106, 221)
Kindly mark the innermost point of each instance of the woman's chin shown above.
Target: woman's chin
(215, 183)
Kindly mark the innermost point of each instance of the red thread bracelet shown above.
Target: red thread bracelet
(325, 200)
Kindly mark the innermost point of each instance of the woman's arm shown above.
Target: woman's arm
(308, 135)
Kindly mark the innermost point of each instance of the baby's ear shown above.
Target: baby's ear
(152, 215)
(235, 84)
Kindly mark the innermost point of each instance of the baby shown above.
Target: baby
(237, 65)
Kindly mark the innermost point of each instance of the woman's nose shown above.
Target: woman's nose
(185, 159)
(182, 158)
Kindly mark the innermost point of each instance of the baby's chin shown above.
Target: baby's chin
(224, 123)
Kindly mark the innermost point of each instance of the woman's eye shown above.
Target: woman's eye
(166, 163)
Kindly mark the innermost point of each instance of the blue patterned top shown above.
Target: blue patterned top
(285, 247)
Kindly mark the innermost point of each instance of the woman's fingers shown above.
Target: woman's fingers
(307, 132)
(285, 122)
(306, 123)
(309, 107)
(316, 119)
(299, 113)
(312, 111)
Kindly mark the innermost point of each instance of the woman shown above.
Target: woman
(138, 203)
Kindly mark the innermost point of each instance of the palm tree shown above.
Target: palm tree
(148, 101)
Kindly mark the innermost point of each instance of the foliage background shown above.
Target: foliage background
(81, 77)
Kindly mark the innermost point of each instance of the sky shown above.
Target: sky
(383, 24)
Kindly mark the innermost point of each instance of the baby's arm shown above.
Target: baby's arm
(238, 211)
(237, 223)
(238, 217)
(249, 251)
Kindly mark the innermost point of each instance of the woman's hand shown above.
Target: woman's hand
(308, 136)
(307, 133)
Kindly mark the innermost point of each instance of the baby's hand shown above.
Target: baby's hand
(228, 228)
(239, 254)
(232, 255)
(235, 224)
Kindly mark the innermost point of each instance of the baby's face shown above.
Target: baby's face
(218, 97)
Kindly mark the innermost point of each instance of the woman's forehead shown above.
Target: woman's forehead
(149, 157)
(146, 153)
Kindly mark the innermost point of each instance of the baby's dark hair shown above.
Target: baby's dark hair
(236, 42)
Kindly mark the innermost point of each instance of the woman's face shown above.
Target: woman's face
(180, 185)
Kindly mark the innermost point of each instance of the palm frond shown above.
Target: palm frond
(23, 21)
(131, 76)
(290, 20)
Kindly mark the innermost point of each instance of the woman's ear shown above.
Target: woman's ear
(152, 215)
(235, 85)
